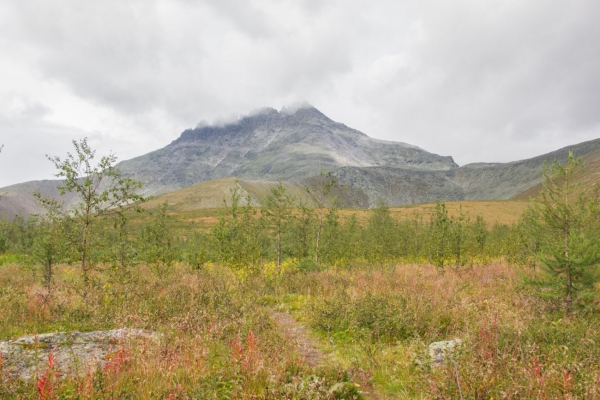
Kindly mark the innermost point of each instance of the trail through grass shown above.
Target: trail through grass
(338, 333)
(306, 346)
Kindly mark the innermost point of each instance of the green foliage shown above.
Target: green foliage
(521, 246)
(439, 246)
(227, 232)
(157, 243)
(307, 264)
(319, 189)
(119, 251)
(278, 212)
(8, 259)
(413, 238)
(381, 235)
(479, 236)
(102, 191)
(17, 236)
(238, 237)
(378, 321)
(331, 248)
(197, 250)
(222, 339)
(47, 250)
(372, 317)
(303, 233)
(458, 238)
(339, 240)
(564, 221)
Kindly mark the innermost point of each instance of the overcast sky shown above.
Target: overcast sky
(478, 80)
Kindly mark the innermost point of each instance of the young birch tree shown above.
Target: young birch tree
(319, 189)
(101, 191)
(279, 212)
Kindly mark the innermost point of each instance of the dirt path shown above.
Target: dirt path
(307, 347)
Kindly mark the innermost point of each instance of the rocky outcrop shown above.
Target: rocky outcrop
(72, 353)
(441, 352)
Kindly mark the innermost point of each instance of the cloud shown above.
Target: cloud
(481, 81)
(490, 77)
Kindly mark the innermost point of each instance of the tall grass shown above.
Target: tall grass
(516, 344)
(218, 341)
(374, 325)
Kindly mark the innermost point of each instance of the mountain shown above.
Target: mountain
(18, 199)
(296, 143)
(480, 181)
(292, 144)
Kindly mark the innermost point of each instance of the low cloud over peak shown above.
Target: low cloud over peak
(493, 81)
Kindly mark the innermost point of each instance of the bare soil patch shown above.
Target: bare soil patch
(306, 346)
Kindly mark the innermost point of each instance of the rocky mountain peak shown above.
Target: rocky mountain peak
(266, 118)
(293, 143)
(299, 142)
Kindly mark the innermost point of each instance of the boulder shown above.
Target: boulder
(441, 351)
(72, 352)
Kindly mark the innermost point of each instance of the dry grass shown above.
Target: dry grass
(210, 194)
(516, 344)
(220, 340)
(501, 212)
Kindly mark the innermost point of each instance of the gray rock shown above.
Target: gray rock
(74, 352)
(439, 352)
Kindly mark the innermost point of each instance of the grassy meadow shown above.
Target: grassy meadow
(372, 326)
(503, 212)
(368, 315)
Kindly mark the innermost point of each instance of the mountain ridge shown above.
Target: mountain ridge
(299, 142)
(271, 145)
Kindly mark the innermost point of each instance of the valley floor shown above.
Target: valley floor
(354, 332)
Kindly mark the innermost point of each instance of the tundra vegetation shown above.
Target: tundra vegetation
(372, 292)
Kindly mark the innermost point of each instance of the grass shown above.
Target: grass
(210, 194)
(203, 219)
(219, 342)
(497, 211)
(197, 206)
(374, 325)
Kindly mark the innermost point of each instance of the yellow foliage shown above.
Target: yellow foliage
(242, 274)
(272, 271)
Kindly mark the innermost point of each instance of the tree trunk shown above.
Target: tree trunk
(84, 258)
(318, 237)
(278, 247)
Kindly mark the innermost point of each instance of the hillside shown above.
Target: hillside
(481, 181)
(589, 178)
(520, 179)
(272, 145)
(295, 144)
(211, 194)
(19, 200)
